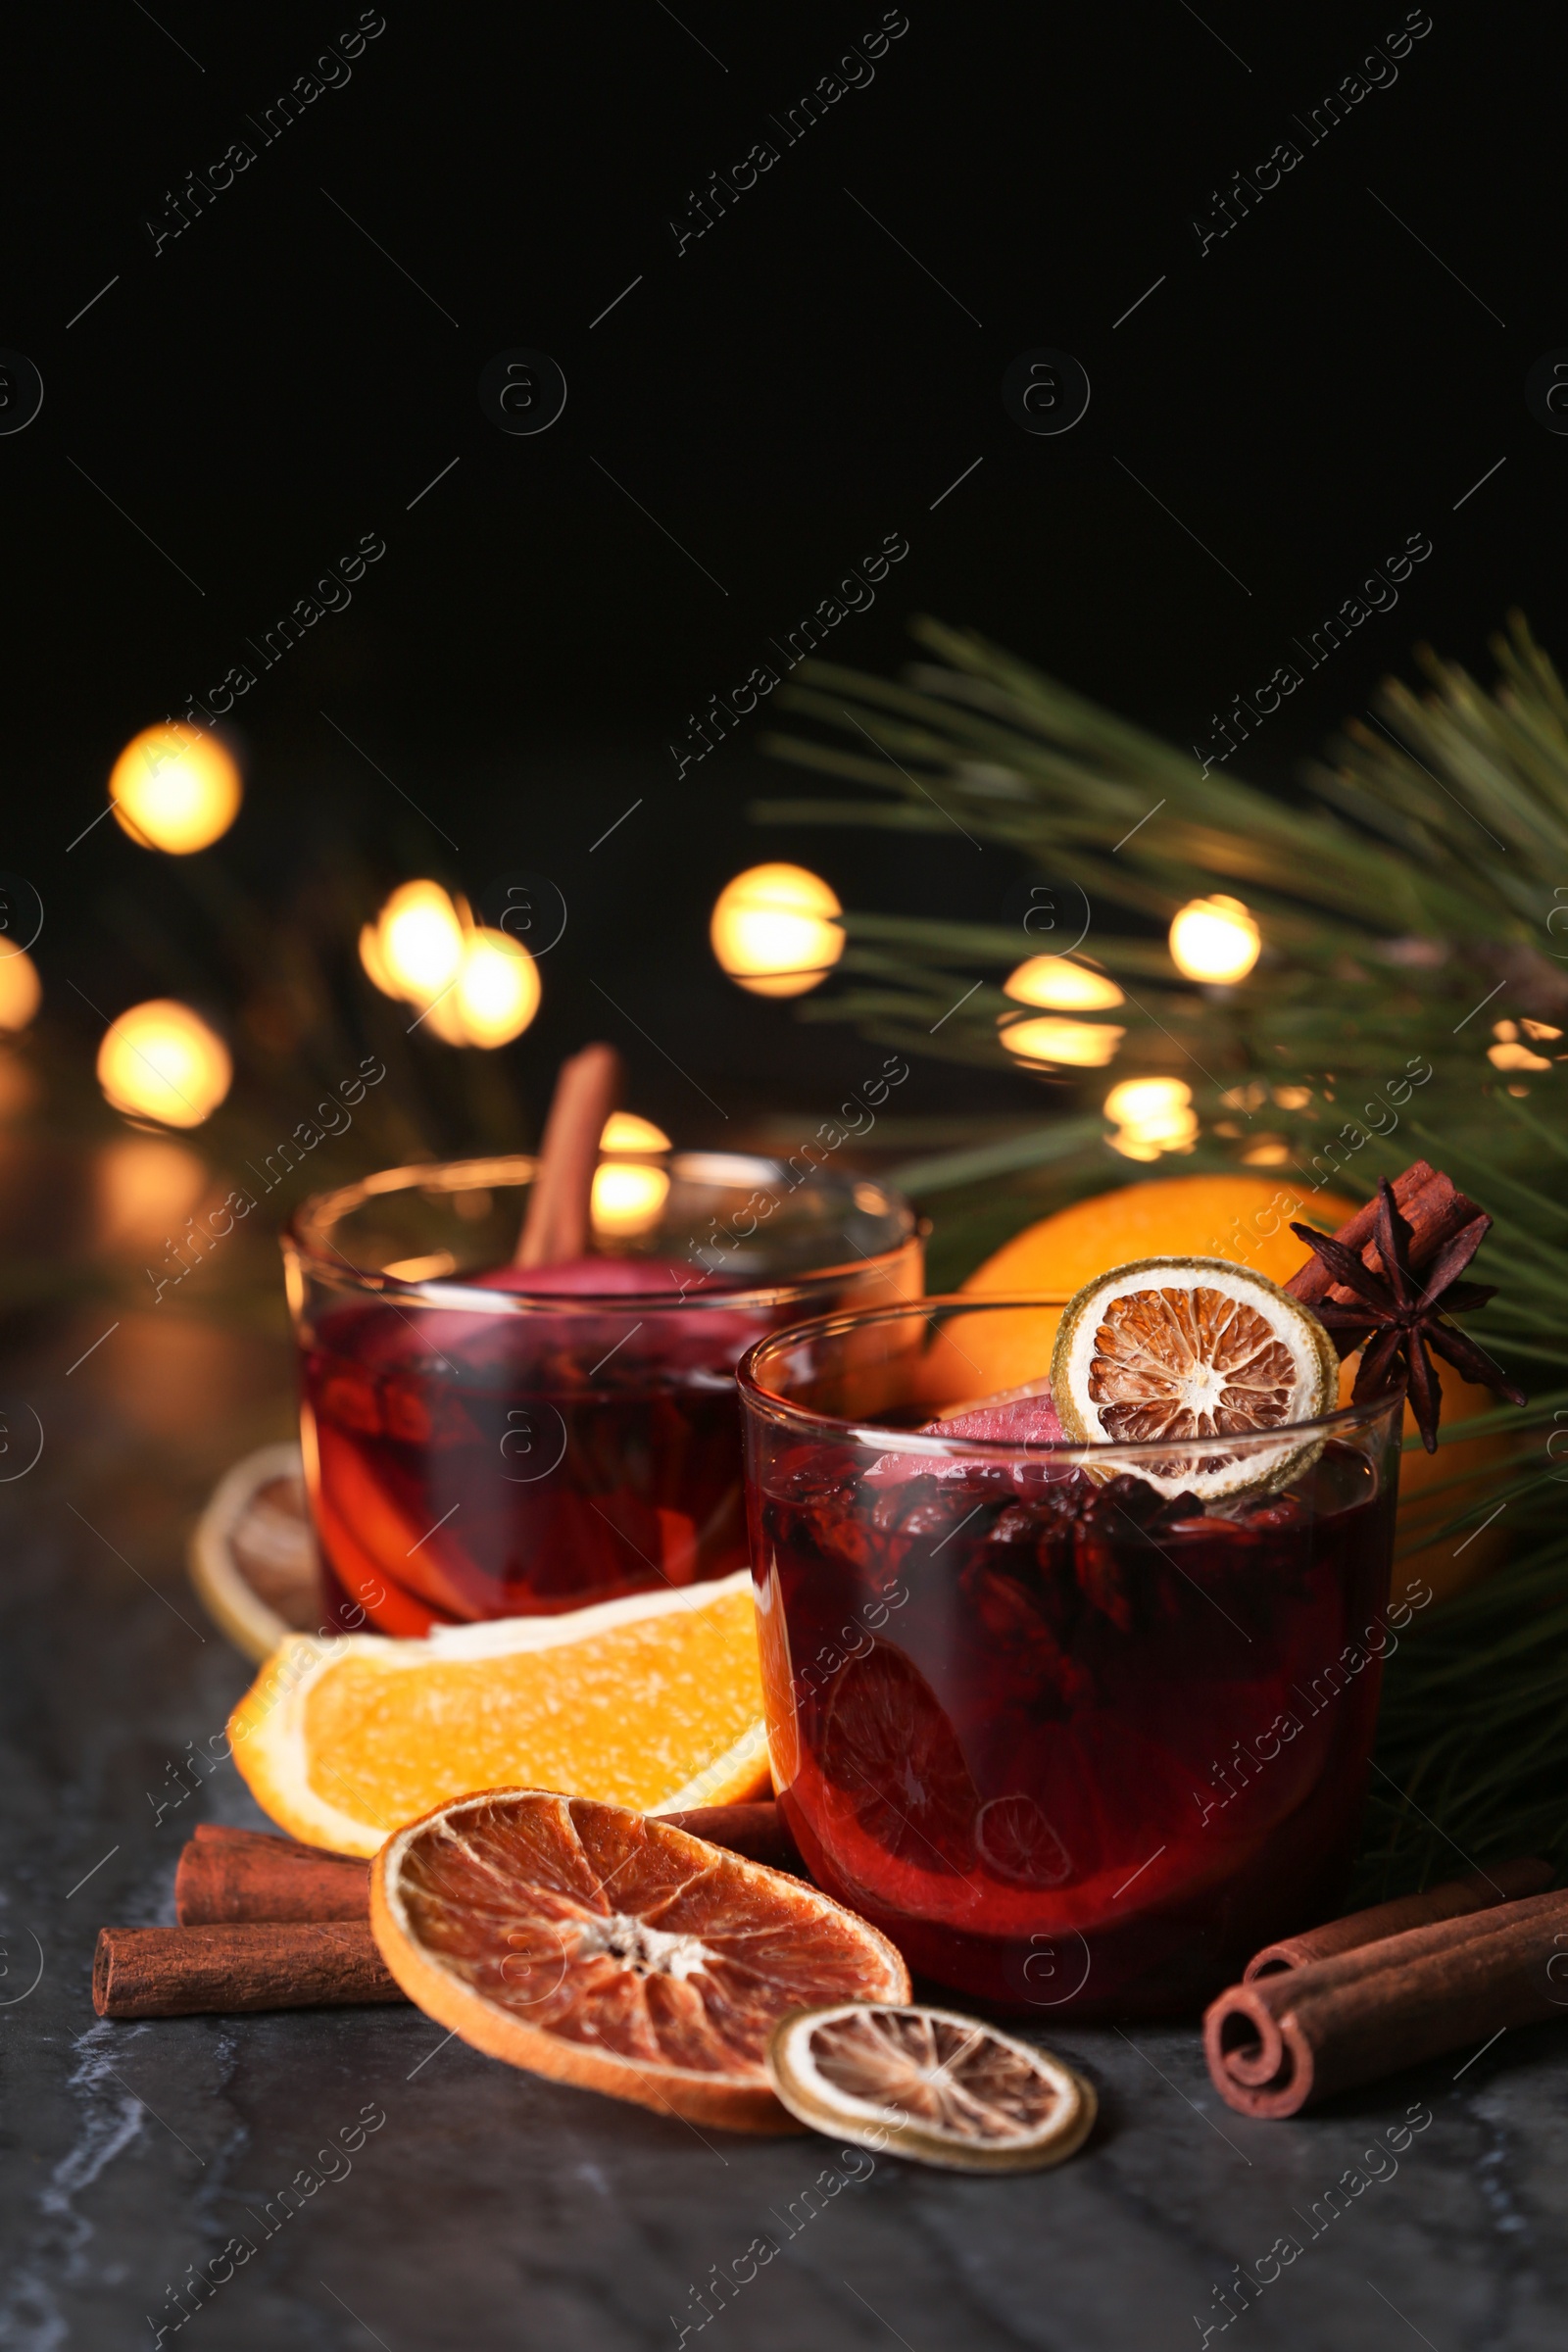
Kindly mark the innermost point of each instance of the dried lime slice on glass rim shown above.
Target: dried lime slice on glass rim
(929, 2085)
(1185, 1348)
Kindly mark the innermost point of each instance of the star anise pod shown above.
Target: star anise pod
(1404, 1314)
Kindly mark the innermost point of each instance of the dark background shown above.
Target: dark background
(783, 394)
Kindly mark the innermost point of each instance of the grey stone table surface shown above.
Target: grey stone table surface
(440, 2200)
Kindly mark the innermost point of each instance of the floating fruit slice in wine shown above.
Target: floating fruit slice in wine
(890, 1751)
(1016, 1841)
(1193, 1348)
(583, 1942)
(931, 2085)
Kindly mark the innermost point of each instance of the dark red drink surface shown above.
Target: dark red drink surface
(474, 1465)
(1080, 1749)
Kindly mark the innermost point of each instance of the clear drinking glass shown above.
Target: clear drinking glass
(1078, 1743)
(489, 1447)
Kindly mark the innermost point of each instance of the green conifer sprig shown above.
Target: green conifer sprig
(1415, 899)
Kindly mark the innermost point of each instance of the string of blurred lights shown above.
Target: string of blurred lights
(777, 930)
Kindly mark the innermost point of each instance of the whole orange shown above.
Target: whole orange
(1244, 1218)
(1248, 1220)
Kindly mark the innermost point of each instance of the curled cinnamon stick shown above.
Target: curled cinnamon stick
(1451, 1900)
(265, 1964)
(1432, 1205)
(1286, 2040)
(558, 1224)
(241, 1874)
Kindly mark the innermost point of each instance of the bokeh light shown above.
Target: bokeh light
(1076, 1045)
(498, 989)
(773, 931)
(1215, 940)
(1151, 1115)
(174, 788)
(144, 1186)
(628, 1196)
(419, 942)
(160, 1061)
(21, 990)
(1061, 986)
(473, 985)
(624, 1131)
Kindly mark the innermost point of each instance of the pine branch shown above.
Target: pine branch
(1418, 900)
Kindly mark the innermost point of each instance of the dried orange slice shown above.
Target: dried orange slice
(1193, 1348)
(586, 1943)
(932, 2085)
(654, 1700)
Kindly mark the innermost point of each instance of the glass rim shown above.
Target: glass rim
(301, 1233)
(1068, 1450)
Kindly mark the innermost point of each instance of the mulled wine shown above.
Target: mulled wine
(1077, 1744)
(486, 1441)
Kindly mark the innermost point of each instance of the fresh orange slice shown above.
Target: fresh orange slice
(586, 1943)
(930, 2084)
(653, 1702)
(1193, 1348)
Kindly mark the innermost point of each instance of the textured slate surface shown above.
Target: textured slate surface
(490, 2210)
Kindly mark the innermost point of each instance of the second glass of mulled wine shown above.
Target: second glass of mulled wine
(487, 1439)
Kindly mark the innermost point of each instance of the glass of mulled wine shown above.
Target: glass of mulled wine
(483, 1439)
(1078, 1741)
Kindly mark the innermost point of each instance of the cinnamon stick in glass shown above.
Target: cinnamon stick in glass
(235, 1875)
(1452, 1899)
(265, 1964)
(558, 1225)
(1288, 2040)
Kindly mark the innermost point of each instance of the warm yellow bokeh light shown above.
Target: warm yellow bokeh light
(1151, 1115)
(160, 1061)
(1060, 985)
(1215, 940)
(773, 930)
(628, 1197)
(144, 1186)
(473, 987)
(1080, 1044)
(21, 990)
(419, 940)
(498, 989)
(375, 962)
(174, 788)
(624, 1131)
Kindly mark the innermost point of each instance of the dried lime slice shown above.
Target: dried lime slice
(931, 2085)
(1193, 1348)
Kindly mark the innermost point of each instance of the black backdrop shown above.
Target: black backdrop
(298, 367)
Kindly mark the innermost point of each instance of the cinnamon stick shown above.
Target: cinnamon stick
(266, 1964)
(757, 1831)
(1431, 1204)
(558, 1224)
(230, 1877)
(1286, 2041)
(237, 1875)
(1451, 1900)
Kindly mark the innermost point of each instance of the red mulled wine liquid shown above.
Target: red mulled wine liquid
(1079, 1749)
(469, 1464)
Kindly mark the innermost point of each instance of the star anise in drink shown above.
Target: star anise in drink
(1402, 1315)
